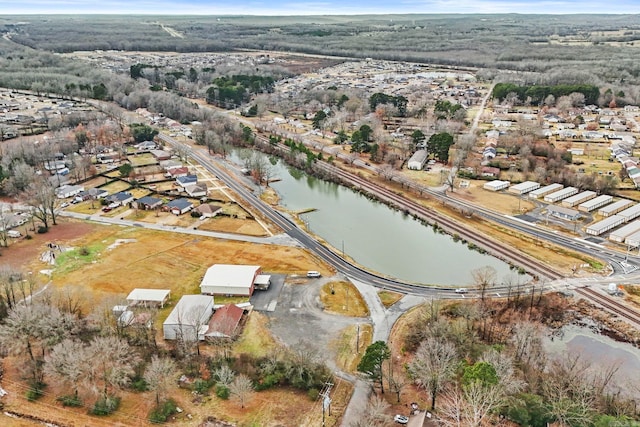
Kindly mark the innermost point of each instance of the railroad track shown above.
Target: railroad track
(610, 304)
(508, 254)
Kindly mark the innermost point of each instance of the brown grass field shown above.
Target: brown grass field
(344, 299)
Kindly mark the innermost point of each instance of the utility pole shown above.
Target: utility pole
(358, 339)
(326, 400)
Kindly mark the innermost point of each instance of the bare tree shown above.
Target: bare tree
(375, 414)
(484, 278)
(160, 375)
(242, 389)
(433, 365)
(67, 363)
(112, 365)
(224, 375)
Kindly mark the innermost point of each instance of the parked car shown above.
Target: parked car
(114, 205)
(14, 233)
(64, 204)
(401, 419)
(107, 209)
(313, 274)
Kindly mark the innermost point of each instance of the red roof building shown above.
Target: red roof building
(224, 322)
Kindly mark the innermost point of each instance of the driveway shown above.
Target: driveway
(268, 299)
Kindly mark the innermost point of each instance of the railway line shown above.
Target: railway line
(611, 304)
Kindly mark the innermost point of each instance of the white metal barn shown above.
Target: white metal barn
(561, 194)
(189, 318)
(622, 233)
(592, 204)
(570, 202)
(524, 187)
(630, 213)
(226, 279)
(605, 225)
(153, 297)
(616, 207)
(536, 194)
(496, 185)
(418, 160)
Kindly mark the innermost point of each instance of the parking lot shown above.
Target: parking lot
(267, 300)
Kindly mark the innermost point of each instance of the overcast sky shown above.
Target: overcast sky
(317, 7)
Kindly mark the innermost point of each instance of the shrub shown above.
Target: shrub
(70, 400)
(222, 391)
(105, 406)
(161, 413)
(139, 384)
(313, 394)
(202, 386)
(35, 391)
(42, 229)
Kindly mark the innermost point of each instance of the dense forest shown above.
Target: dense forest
(562, 49)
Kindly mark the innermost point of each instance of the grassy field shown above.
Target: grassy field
(344, 299)
(388, 298)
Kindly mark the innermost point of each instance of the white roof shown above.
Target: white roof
(189, 309)
(158, 295)
(263, 279)
(230, 275)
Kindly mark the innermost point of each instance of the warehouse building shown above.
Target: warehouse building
(560, 194)
(570, 202)
(621, 234)
(536, 194)
(563, 213)
(189, 319)
(605, 225)
(592, 204)
(614, 208)
(225, 279)
(524, 187)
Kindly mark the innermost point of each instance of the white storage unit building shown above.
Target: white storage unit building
(630, 213)
(418, 160)
(189, 319)
(592, 204)
(621, 234)
(496, 185)
(614, 208)
(570, 202)
(597, 228)
(225, 279)
(633, 240)
(536, 194)
(560, 194)
(524, 187)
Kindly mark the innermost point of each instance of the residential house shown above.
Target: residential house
(147, 203)
(123, 197)
(92, 193)
(66, 191)
(146, 146)
(177, 172)
(179, 206)
(160, 154)
(197, 190)
(183, 181)
(489, 171)
(207, 210)
(170, 164)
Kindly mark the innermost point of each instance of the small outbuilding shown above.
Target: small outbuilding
(189, 318)
(226, 279)
(418, 160)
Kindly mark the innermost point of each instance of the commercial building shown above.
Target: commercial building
(630, 213)
(563, 213)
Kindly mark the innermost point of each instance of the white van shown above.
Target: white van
(14, 233)
(313, 274)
